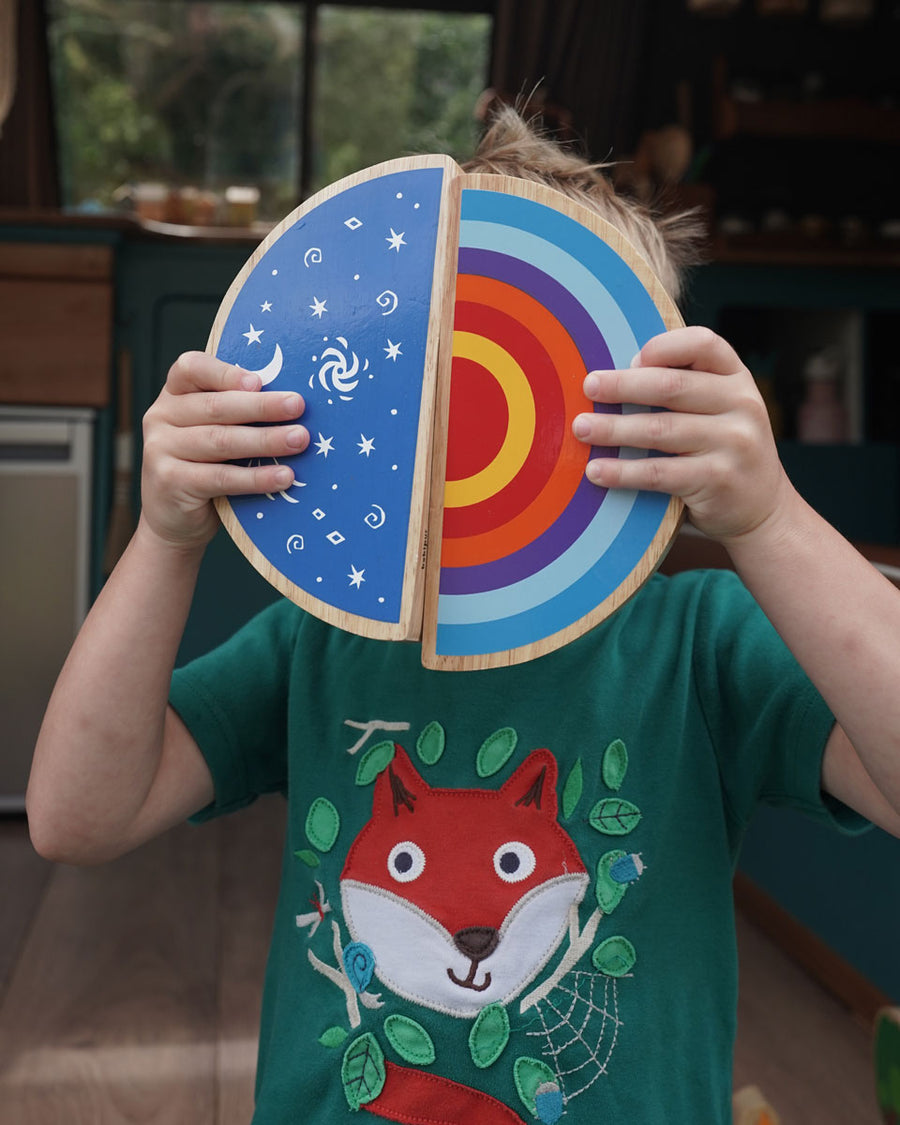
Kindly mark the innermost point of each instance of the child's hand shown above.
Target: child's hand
(200, 422)
(726, 467)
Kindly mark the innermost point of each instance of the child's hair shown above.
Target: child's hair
(511, 146)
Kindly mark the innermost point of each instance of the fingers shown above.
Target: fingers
(197, 371)
(206, 481)
(234, 442)
(230, 408)
(665, 433)
(203, 390)
(213, 411)
(703, 419)
(681, 389)
(694, 348)
(671, 475)
(659, 430)
(210, 413)
(673, 371)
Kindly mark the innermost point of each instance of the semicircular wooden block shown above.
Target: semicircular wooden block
(339, 303)
(439, 326)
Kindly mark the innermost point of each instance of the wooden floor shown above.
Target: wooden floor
(130, 993)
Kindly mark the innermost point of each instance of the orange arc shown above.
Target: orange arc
(554, 497)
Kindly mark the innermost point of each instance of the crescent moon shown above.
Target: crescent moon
(272, 368)
(373, 520)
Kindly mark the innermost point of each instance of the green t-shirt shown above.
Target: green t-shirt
(506, 895)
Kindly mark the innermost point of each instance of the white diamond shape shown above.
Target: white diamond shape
(335, 537)
(353, 223)
(318, 513)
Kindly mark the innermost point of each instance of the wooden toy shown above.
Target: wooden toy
(439, 326)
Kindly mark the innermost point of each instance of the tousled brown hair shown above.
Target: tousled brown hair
(512, 146)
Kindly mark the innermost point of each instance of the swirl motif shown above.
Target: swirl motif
(359, 964)
(385, 299)
(376, 517)
(312, 256)
(295, 543)
(338, 372)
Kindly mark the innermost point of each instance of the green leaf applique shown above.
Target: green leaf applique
(333, 1037)
(615, 957)
(572, 790)
(430, 743)
(363, 1071)
(323, 822)
(495, 751)
(409, 1039)
(375, 759)
(529, 1074)
(308, 857)
(614, 817)
(489, 1035)
(609, 892)
(615, 764)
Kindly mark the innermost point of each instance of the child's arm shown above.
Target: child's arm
(836, 613)
(114, 765)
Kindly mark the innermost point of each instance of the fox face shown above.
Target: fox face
(463, 895)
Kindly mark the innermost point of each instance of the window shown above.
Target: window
(193, 97)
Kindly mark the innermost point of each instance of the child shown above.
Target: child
(520, 878)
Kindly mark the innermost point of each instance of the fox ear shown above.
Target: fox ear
(398, 786)
(534, 783)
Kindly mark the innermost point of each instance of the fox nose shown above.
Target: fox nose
(476, 942)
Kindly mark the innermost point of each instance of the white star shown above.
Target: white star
(253, 335)
(393, 350)
(356, 576)
(266, 306)
(324, 446)
(396, 240)
(318, 307)
(366, 445)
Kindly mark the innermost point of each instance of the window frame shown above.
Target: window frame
(308, 11)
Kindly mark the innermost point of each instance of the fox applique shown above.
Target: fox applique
(463, 895)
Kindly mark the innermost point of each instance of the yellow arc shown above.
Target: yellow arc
(519, 433)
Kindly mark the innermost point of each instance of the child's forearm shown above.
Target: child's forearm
(101, 743)
(841, 619)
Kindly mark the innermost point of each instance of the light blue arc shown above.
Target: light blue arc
(544, 585)
(569, 605)
(574, 277)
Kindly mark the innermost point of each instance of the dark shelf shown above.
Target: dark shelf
(853, 119)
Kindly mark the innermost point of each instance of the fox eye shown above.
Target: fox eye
(514, 861)
(406, 861)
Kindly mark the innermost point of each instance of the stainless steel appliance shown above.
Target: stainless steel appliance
(46, 458)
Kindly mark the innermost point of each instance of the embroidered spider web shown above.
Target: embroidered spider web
(579, 1028)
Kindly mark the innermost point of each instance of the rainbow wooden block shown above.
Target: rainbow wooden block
(440, 326)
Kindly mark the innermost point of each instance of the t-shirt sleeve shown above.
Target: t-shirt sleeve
(234, 701)
(768, 722)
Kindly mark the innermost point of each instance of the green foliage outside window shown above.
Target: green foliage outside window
(208, 94)
(393, 83)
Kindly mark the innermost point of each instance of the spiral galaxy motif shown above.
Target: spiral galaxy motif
(529, 546)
